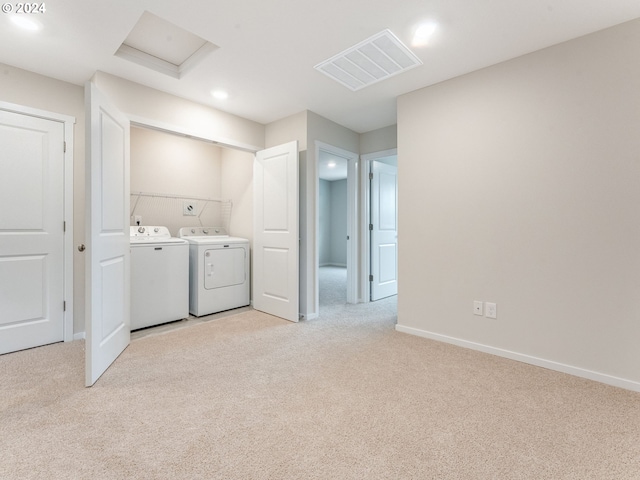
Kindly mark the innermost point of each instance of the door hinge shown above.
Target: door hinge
(64, 147)
(64, 226)
(371, 278)
(64, 306)
(371, 226)
(370, 175)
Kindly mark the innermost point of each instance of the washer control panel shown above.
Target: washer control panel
(146, 231)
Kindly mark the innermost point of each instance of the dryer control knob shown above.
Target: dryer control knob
(156, 230)
(140, 229)
(193, 230)
(205, 231)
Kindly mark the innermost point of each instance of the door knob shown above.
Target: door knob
(81, 248)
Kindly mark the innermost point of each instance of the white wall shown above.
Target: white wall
(140, 102)
(164, 163)
(237, 185)
(172, 164)
(176, 165)
(293, 127)
(519, 184)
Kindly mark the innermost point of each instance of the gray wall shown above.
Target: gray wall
(525, 178)
(379, 140)
(333, 223)
(324, 223)
(339, 222)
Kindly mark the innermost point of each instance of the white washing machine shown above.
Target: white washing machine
(159, 277)
(218, 270)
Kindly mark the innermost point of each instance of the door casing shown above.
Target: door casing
(352, 221)
(68, 241)
(365, 200)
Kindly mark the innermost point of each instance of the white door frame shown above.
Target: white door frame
(352, 220)
(68, 122)
(365, 237)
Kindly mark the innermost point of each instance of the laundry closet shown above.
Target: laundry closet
(187, 185)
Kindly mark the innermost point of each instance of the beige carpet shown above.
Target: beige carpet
(344, 396)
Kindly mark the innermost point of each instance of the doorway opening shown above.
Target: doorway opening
(379, 225)
(336, 226)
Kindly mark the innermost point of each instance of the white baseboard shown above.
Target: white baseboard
(79, 336)
(342, 265)
(520, 357)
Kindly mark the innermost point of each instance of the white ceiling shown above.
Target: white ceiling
(331, 167)
(268, 48)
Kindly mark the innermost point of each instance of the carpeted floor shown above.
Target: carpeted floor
(332, 283)
(344, 396)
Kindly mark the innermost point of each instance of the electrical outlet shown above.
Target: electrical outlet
(137, 219)
(189, 208)
(477, 307)
(491, 310)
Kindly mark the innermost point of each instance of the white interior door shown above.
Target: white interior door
(276, 237)
(108, 263)
(31, 231)
(384, 230)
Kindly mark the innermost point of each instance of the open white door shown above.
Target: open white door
(275, 226)
(107, 267)
(384, 230)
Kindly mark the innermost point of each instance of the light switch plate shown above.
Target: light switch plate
(491, 310)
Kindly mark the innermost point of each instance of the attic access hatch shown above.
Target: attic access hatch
(164, 47)
(375, 59)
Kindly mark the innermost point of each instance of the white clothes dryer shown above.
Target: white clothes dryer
(218, 270)
(159, 276)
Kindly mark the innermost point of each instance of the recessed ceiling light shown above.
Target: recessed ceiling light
(331, 164)
(26, 23)
(220, 94)
(423, 33)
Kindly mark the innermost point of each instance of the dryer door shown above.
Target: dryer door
(224, 267)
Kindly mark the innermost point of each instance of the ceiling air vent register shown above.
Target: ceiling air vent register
(375, 59)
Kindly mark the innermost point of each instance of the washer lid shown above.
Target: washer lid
(136, 241)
